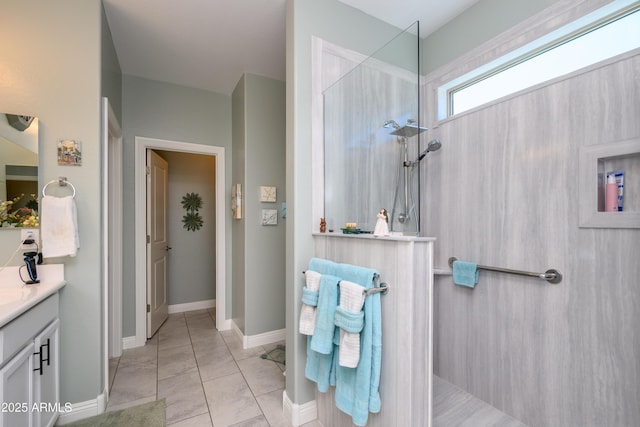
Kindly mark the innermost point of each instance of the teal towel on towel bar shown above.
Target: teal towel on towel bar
(357, 389)
(328, 297)
(465, 273)
(320, 366)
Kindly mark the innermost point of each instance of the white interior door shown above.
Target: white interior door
(157, 245)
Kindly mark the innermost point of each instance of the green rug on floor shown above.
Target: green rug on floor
(278, 354)
(152, 414)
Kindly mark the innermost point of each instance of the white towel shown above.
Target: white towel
(351, 300)
(59, 226)
(307, 312)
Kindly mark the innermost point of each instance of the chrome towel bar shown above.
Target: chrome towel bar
(382, 288)
(551, 275)
(62, 182)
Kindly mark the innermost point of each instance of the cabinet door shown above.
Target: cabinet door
(16, 389)
(46, 377)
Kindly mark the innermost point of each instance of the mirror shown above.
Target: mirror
(18, 171)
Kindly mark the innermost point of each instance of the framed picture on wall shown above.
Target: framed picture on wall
(69, 152)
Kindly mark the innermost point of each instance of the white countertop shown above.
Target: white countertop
(16, 297)
(372, 237)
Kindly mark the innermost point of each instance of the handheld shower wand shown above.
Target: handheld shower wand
(433, 145)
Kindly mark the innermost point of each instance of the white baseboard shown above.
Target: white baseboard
(82, 410)
(250, 341)
(101, 401)
(296, 414)
(228, 324)
(191, 306)
(129, 342)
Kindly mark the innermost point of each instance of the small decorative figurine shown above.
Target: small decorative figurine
(323, 225)
(382, 224)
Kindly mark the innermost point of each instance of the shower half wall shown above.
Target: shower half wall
(363, 161)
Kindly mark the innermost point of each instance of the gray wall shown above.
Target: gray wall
(259, 159)
(348, 27)
(165, 111)
(111, 75)
(192, 258)
(476, 25)
(503, 191)
(238, 226)
(51, 66)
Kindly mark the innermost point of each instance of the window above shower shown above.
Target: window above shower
(606, 32)
(372, 137)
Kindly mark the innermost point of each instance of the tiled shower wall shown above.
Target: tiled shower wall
(503, 191)
(362, 160)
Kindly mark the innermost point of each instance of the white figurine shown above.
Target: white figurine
(382, 225)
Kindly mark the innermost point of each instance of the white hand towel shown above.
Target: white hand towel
(351, 300)
(307, 312)
(59, 226)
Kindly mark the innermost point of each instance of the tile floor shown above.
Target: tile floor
(206, 377)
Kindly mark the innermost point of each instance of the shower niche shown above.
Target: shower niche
(373, 138)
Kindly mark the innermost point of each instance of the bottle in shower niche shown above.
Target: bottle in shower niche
(611, 194)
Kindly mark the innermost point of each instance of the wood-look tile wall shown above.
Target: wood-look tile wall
(503, 191)
(362, 160)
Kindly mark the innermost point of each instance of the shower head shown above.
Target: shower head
(409, 130)
(391, 124)
(433, 145)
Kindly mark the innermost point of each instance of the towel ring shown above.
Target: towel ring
(63, 183)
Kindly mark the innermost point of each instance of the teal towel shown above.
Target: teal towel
(323, 266)
(320, 367)
(465, 273)
(350, 322)
(328, 299)
(310, 297)
(357, 389)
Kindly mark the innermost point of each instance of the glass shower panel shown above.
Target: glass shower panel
(369, 166)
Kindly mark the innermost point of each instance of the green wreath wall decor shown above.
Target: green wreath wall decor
(192, 221)
(192, 202)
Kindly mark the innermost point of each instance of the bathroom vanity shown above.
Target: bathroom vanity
(405, 264)
(29, 353)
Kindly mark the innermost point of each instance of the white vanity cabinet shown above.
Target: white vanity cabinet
(16, 389)
(29, 367)
(46, 376)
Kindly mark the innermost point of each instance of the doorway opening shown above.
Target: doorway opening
(142, 145)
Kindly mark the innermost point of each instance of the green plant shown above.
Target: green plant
(26, 216)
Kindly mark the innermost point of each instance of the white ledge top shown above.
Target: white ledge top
(16, 297)
(382, 238)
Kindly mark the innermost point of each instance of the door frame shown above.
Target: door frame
(141, 146)
(111, 237)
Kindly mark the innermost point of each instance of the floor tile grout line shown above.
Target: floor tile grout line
(204, 393)
(234, 358)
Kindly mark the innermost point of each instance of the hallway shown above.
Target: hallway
(205, 376)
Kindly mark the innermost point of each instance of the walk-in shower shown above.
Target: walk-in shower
(405, 197)
(362, 160)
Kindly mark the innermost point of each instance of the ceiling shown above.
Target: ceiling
(209, 44)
